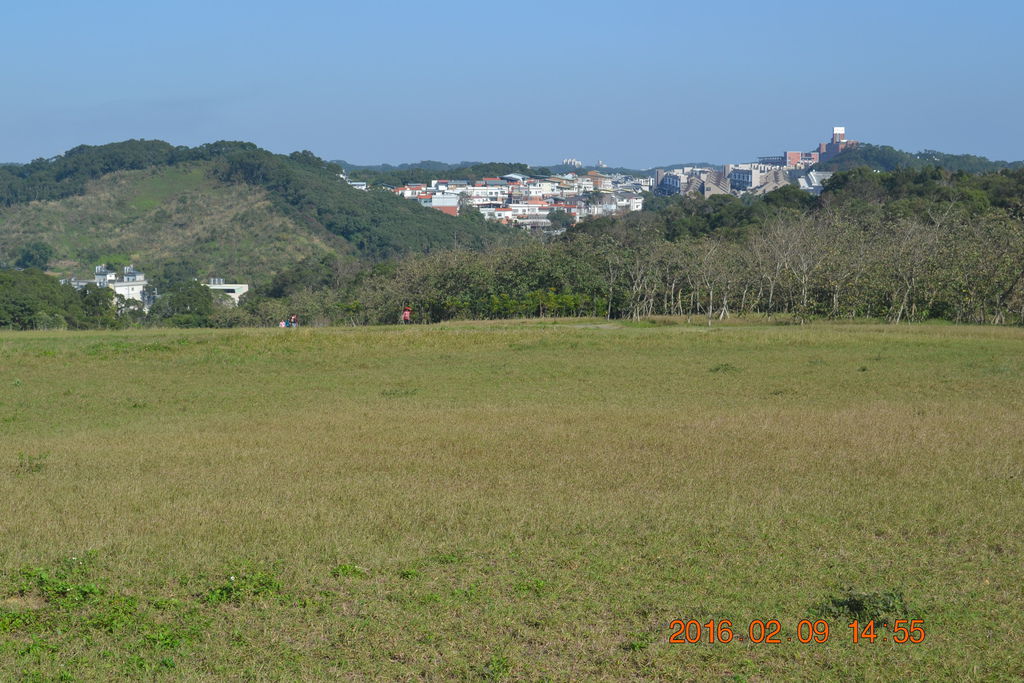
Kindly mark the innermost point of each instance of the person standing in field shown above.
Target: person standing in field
(294, 320)
(406, 316)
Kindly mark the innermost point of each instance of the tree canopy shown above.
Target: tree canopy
(885, 158)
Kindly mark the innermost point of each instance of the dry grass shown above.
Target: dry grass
(507, 500)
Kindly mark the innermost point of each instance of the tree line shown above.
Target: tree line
(803, 266)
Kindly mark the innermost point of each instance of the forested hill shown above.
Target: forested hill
(149, 201)
(885, 158)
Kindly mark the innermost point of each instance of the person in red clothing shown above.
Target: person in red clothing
(406, 316)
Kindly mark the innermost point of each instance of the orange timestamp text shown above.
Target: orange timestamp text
(771, 631)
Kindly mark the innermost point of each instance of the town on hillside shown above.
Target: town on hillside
(529, 201)
(766, 174)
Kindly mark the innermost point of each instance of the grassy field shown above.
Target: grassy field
(510, 501)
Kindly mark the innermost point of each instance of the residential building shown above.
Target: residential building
(526, 201)
(445, 202)
(130, 284)
(599, 181)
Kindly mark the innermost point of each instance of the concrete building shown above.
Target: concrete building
(813, 182)
(790, 159)
(235, 291)
(801, 159)
(693, 180)
(445, 202)
(743, 177)
(599, 181)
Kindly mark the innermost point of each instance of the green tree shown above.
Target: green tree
(99, 305)
(34, 255)
(30, 299)
(560, 219)
(187, 304)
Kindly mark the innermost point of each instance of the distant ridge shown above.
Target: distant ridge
(427, 165)
(423, 171)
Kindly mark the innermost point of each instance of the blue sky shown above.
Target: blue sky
(632, 84)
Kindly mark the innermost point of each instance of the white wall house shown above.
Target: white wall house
(131, 284)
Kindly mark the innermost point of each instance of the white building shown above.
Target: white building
(130, 285)
(235, 291)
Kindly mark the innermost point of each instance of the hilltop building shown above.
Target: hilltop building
(838, 143)
(825, 151)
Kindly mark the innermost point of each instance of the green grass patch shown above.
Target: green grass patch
(152, 191)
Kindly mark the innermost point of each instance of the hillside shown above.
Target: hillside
(885, 158)
(226, 208)
(169, 221)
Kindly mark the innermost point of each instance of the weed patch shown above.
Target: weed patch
(497, 668)
(349, 571)
(723, 367)
(399, 392)
(240, 587)
(885, 606)
(31, 464)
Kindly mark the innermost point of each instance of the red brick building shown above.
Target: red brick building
(827, 150)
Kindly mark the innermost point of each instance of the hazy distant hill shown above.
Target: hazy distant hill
(426, 165)
(228, 209)
(425, 171)
(412, 173)
(885, 158)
